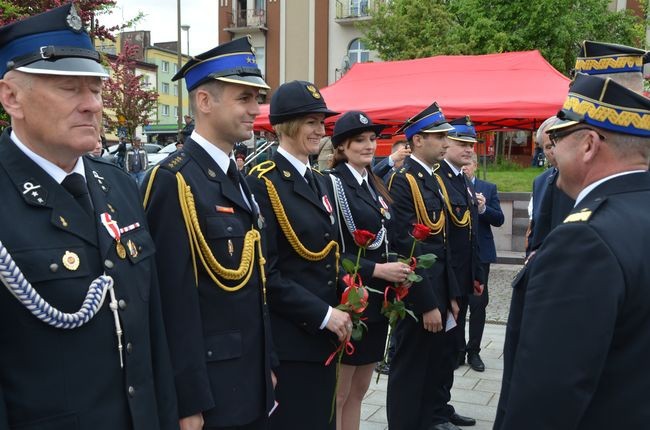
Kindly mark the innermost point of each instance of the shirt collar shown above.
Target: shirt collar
(453, 169)
(297, 164)
(221, 158)
(358, 176)
(428, 169)
(57, 173)
(589, 188)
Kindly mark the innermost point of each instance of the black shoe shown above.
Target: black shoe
(460, 361)
(460, 420)
(475, 362)
(382, 368)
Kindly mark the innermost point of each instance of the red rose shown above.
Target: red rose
(401, 291)
(352, 282)
(363, 238)
(363, 300)
(420, 231)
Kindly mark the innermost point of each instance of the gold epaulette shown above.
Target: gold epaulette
(581, 216)
(262, 169)
(400, 171)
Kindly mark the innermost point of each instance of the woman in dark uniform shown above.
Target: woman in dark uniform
(303, 258)
(361, 202)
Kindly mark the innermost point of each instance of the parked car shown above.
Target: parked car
(151, 148)
(162, 154)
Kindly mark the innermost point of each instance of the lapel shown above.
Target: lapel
(299, 184)
(460, 184)
(422, 176)
(41, 191)
(214, 173)
(100, 193)
(350, 181)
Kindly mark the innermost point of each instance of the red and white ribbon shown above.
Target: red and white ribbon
(111, 226)
(130, 227)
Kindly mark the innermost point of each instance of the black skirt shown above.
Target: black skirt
(370, 349)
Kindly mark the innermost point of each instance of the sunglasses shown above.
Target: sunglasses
(556, 136)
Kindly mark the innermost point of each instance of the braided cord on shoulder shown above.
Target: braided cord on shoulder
(290, 234)
(466, 220)
(147, 192)
(421, 210)
(198, 245)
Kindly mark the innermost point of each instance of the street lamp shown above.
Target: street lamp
(179, 120)
(186, 28)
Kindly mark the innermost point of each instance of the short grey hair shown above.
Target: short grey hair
(543, 127)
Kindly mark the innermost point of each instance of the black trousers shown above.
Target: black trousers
(477, 306)
(420, 371)
(259, 424)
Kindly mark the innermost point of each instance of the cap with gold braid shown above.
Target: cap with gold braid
(605, 104)
(597, 58)
(430, 120)
(232, 62)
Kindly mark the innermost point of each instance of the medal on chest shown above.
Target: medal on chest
(328, 207)
(384, 207)
(114, 231)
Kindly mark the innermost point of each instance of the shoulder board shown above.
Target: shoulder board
(328, 171)
(584, 214)
(317, 171)
(402, 170)
(262, 169)
(175, 163)
(101, 160)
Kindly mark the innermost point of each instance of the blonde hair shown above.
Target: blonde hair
(290, 127)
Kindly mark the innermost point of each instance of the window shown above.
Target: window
(358, 7)
(175, 68)
(165, 88)
(175, 90)
(165, 110)
(357, 52)
(165, 66)
(176, 112)
(259, 57)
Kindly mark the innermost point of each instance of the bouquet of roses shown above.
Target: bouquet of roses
(395, 310)
(354, 301)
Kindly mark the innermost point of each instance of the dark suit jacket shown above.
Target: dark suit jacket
(54, 378)
(220, 341)
(299, 291)
(462, 240)
(367, 214)
(493, 216)
(585, 318)
(438, 285)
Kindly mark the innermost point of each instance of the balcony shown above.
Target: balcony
(350, 11)
(246, 19)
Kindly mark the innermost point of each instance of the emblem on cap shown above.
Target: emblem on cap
(70, 261)
(363, 119)
(73, 19)
(314, 92)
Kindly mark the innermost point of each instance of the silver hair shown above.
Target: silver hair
(543, 127)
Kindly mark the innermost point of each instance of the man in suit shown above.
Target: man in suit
(206, 226)
(74, 227)
(489, 215)
(584, 326)
(425, 352)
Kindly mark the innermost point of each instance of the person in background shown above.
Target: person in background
(362, 203)
(120, 152)
(391, 164)
(489, 215)
(82, 341)
(297, 206)
(98, 150)
(135, 161)
(188, 128)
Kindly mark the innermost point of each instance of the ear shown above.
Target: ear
(417, 141)
(204, 101)
(10, 100)
(591, 146)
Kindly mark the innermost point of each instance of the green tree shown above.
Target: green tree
(402, 29)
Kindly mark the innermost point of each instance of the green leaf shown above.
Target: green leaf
(426, 260)
(410, 312)
(348, 265)
(413, 277)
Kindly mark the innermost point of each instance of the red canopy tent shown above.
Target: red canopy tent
(510, 90)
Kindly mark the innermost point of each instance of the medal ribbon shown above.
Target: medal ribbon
(111, 226)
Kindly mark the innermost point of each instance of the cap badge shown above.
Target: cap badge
(70, 261)
(363, 119)
(314, 92)
(73, 19)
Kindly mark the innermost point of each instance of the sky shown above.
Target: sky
(160, 19)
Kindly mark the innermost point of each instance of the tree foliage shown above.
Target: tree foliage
(405, 29)
(126, 95)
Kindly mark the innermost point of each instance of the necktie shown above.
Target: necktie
(75, 184)
(233, 173)
(365, 185)
(309, 177)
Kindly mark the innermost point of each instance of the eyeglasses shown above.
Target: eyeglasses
(556, 136)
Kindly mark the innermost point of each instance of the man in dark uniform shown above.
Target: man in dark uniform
(463, 219)
(82, 342)
(206, 226)
(424, 351)
(585, 324)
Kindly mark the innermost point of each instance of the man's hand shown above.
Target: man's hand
(480, 199)
(455, 309)
(194, 422)
(399, 155)
(340, 324)
(478, 288)
(274, 379)
(432, 320)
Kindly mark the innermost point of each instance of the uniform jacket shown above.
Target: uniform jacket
(583, 317)
(438, 285)
(53, 378)
(368, 214)
(130, 155)
(462, 241)
(219, 341)
(299, 291)
(493, 216)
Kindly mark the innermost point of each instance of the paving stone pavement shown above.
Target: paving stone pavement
(474, 394)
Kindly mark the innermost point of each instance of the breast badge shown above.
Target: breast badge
(70, 261)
